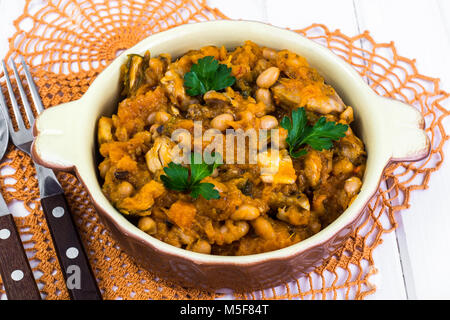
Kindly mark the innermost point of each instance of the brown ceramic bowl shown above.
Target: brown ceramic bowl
(391, 131)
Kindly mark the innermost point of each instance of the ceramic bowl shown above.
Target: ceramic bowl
(391, 130)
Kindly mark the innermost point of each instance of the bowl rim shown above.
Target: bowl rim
(346, 218)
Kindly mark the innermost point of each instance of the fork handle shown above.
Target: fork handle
(78, 275)
(15, 269)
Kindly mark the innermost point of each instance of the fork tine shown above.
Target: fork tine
(14, 104)
(33, 89)
(23, 95)
(5, 111)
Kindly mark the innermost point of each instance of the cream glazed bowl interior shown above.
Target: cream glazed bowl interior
(391, 130)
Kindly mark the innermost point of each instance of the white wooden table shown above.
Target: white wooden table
(413, 261)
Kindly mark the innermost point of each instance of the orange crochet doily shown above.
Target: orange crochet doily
(69, 42)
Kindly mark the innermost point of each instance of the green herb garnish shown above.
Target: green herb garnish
(319, 137)
(177, 178)
(207, 75)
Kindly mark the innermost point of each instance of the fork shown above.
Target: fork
(80, 281)
(15, 269)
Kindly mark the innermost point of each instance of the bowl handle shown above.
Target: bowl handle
(57, 143)
(405, 132)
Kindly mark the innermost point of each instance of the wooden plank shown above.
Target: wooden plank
(341, 15)
(444, 9)
(420, 31)
(9, 10)
(296, 14)
(239, 9)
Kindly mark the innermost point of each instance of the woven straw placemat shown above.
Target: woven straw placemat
(69, 42)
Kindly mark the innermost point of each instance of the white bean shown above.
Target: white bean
(269, 54)
(202, 246)
(221, 122)
(125, 189)
(268, 77)
(263, 95)
(263, 228)
(268, 122)
(352, 185)
(147, 225)
(159, 117)
(245, 212)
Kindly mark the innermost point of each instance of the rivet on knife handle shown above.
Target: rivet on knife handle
(78, 275)
(16, 273)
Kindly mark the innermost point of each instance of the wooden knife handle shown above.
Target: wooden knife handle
(15, 269)
(77, 272)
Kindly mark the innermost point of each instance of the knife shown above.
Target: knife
(73, 260)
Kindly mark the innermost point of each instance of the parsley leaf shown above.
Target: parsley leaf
(319, 137)
(206, 190)
(177, 178)
(207, 74)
